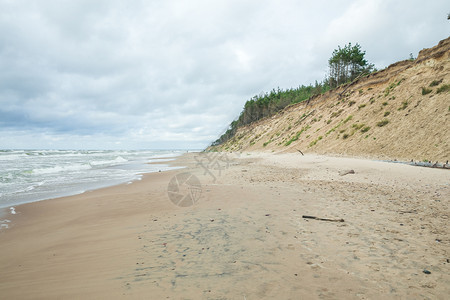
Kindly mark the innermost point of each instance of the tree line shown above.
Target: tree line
(345, 65)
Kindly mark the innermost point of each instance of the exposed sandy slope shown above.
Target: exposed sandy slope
(245, 238)
(333, 123)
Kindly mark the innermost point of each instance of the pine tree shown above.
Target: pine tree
(346, 64)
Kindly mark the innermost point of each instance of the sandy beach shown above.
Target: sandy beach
(245, 236)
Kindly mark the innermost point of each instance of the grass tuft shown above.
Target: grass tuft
(383, 123)
(348, 119)
(297, 135)
(426, 91)
(404, 105)
(444, 88)
(436, 82)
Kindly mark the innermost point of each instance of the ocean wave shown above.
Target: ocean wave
(115, 161)
(59, 169)
(31, 175)
(11, 156)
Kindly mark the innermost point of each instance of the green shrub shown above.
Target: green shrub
(361, 106)
(358, 126)
(387, 113)
(385, 103)
(336, 113)
(315, 141)
(444, 88)
(436, 82)
(365, 129)
(348, 119)
(297, 135)
(382, 123)
(404, 105)
(426, 91)
(346, 135)
(351, 103)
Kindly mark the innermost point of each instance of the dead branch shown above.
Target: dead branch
(323, 219)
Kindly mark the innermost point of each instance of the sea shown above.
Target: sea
(33, 175)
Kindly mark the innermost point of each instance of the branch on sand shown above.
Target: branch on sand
(323, 219)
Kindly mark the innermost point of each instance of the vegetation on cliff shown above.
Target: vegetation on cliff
(345, 65)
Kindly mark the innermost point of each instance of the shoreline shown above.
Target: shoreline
(244, 237)
(162, 162)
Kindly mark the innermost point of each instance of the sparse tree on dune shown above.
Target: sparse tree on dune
(346, 64)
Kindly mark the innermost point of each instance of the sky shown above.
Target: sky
(173, 74)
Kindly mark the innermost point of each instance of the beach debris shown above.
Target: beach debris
(322, 219)
(342, 173)
(13, 210)
(300, 152)
(267, 215)
(429, 164)
(426, 271)
(407, 211)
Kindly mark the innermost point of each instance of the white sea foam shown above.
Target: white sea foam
(58, 169)
(117, 160)
(33, 175)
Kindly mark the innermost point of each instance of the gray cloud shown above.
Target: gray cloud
(158, 74)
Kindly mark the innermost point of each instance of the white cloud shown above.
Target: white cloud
(156, 74)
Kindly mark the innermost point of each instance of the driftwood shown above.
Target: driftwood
(323, 219)
(342, 173)
(300, 152)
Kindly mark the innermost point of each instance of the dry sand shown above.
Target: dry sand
(244, 238)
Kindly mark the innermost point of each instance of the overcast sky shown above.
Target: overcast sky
(173, 74)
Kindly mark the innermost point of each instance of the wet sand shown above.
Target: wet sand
(244, 238)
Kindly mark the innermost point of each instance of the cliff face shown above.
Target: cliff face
(401, 112)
